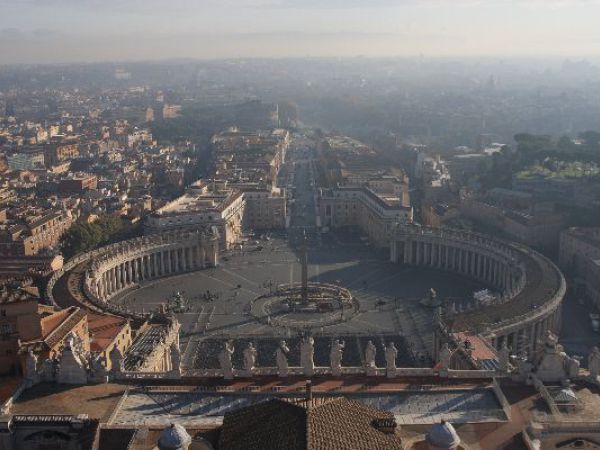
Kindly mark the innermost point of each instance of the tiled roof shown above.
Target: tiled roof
(348, 424)
(103, 328)
(275, 424)
(49, 323)
(59, 332)
(281, 425)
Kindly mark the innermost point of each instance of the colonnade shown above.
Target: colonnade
(148, 258)
(526, 337)
(531, 286)
(490, 264)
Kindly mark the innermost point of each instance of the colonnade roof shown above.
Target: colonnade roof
(544, 282)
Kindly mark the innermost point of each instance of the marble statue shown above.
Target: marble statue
(370, 352)
(335, 357)
(99, 369)
(49, 369)
(503, 358)
(572, 367)
(31, 374)
(554, 365)
(453, 310)
(437, 315)
(431, 300)
(281, 359)
(117, 362)
(72, 369)
(250, 353)
(390, 359)
(445, 355)
(307, 354)
(175, 359)
(76, 344)
(594, 363)
(225, 360)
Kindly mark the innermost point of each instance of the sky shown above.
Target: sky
(43, 31)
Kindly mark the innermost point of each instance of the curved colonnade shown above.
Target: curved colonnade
(531, 287)
(131, 262)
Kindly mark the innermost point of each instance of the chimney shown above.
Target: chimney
(386, 425)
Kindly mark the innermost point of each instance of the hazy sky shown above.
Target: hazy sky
(91, 30)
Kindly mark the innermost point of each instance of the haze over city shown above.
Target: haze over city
(87, 30)
(299, 225)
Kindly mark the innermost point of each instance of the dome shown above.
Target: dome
(174, 438)
(443, 435)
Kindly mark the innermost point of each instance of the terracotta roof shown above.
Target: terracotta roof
(65, 325)
(103, 329)
(51, 322)
(275, 424)
(348, 424)
(281, 425)
(480, 350)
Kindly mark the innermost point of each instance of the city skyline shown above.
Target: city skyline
(66, 31)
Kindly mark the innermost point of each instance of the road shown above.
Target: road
(303, 208)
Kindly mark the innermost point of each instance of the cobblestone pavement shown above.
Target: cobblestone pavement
(388, 294)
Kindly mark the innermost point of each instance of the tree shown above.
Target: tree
(83, 236)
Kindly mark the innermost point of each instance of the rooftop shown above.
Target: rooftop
(103, 328)
(97, 401)
(340, 423)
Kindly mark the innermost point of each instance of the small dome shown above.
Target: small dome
(174, 438)
(443, 435)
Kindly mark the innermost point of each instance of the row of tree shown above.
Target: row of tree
(532, 148)
(83, 236)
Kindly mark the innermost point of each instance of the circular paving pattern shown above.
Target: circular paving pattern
(326, 304)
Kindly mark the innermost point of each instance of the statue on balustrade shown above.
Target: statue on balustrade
(391, 353)
(594, 363)
(175, 358)
(445, 356)
(72, 367)
(335, 357)
(370, 352)
(117, 362)
(307, 354)
(453, 310)
(250, 354)
(281, 359)
(99, 370)
(503, 358)
(49, 369)
(431, 299)
(572, 367)
(31, 374)
(225, 360)
(555, 365)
